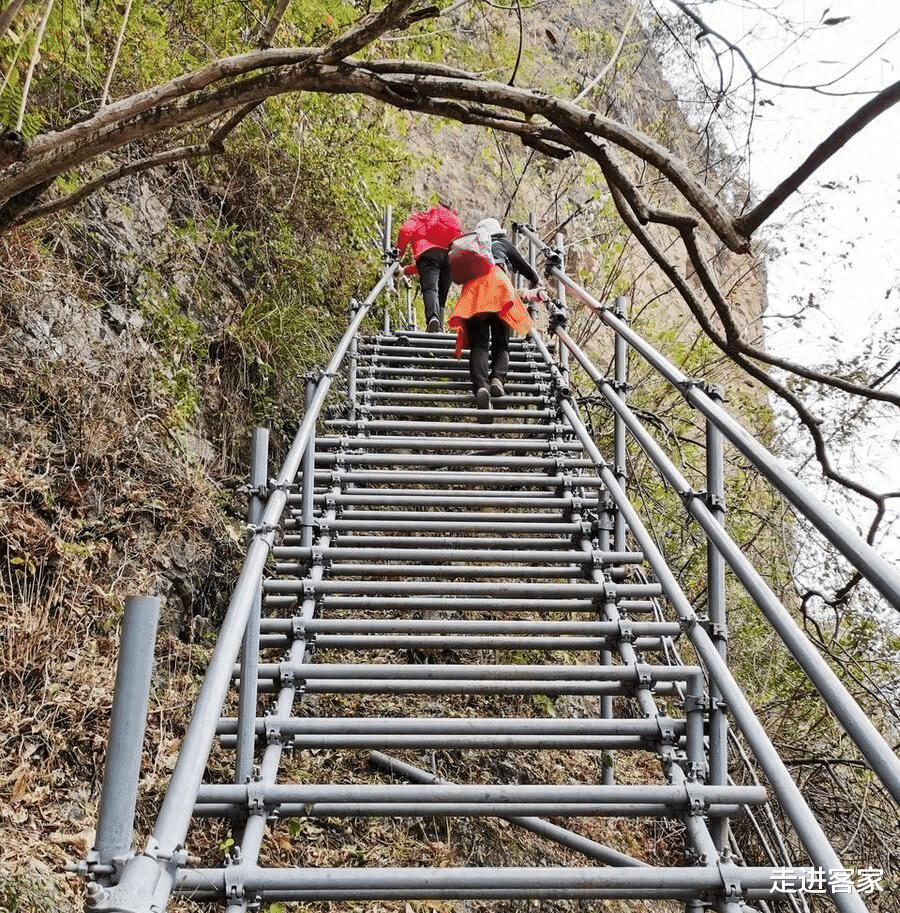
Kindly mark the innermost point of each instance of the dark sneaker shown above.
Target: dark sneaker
(434, 325)
(497, 387)
(483, 401)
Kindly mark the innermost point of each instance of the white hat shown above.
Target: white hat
(492, 225)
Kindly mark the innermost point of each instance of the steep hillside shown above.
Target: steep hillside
(145, 332)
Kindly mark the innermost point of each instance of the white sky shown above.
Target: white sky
(841, 235)
(849, 211)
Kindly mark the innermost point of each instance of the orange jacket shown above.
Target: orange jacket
(491, 293)
(423, 230)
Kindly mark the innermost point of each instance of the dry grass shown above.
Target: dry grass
(96, 503)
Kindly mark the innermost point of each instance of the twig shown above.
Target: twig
(610, 63)
(116, 50)
(8, 13)
(32, 63)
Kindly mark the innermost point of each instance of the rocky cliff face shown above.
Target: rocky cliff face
(106, 490)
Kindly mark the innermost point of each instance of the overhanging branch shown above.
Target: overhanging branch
(884, 100)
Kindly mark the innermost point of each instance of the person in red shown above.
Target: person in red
(487, 310)
(430, 233)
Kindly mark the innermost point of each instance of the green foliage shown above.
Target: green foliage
(311, 23)
(10, 105)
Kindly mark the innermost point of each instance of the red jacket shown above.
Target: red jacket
(423, 230)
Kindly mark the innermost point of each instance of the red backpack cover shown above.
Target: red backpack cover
(470, 256)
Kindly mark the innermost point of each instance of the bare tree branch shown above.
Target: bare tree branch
(215, 145)
(183, 101)
(116, 51)
(839, 138)
(35, 55)
(593, 83)
(168, 157)
(267, 32)
(735, 350)
(366, 30)
(8, 13)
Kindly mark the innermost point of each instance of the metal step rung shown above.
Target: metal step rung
(357, 500)
(477, 627)
(607, 590)
(436, 568)
(484, 461)
(458, 370)
(639, 674)
(419, 443)
(523, 883)
(442, 386)
(436, 642)
(530, 524)
(366, 603)
(405, 352)
(445, 478)
(463, 553)
(451, 794)
(460, 810)
(421, 519)
(555, 688)
(374, 426)
(508, 409)
(390, 725)
(349, 540)
(398, 397)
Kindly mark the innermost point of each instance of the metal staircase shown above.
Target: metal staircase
(465, 620)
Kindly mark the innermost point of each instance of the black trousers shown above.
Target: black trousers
(434, 280)
(488, 349)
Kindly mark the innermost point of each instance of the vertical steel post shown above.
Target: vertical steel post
(352, 368)
(246, 738)
(386, 246)
(620, 369)
(694, 707)
(718, 630)
(118, 798)
(386, 232)
(532, 253)
(562, 353)
(620, 453)
(308, 475)
(607, 757)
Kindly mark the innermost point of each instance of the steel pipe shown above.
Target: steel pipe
(128, 721)
(572, 794)
(315, 627)
(545, 829)
(466, 726)
(461, 588)
(808, 828)
(460, 642)
(856, 723)
(513, 556)
(877, 570)
(642, 673)
(490, 883)
(175, 813)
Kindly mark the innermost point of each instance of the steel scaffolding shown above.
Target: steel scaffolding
(408, 549)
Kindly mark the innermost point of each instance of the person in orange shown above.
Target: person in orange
(430, 233)
(487, 311)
